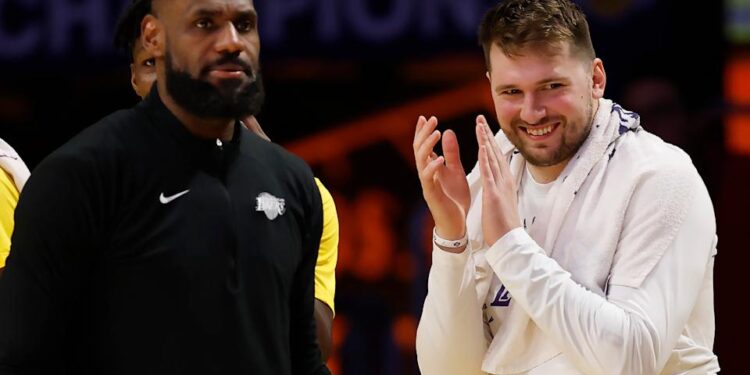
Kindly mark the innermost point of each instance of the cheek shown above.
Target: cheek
(149, 76)
(253, 46)
(568, 105)
(565, 98)
(183, 60)
(144, 79)
(505, 111)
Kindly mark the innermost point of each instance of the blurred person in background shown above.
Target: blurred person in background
(657, 100)
(12, 178)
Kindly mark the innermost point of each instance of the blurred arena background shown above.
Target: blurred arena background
(346, 80)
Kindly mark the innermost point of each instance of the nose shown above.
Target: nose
(532, 111)
(229, 40)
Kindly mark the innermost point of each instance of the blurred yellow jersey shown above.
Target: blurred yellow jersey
(8, 201)
(325, 267)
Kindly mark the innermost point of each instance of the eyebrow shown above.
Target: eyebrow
(501, 88)
(211, 13)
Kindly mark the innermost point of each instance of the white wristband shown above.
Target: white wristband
(450, 244)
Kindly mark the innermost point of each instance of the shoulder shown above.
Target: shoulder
(656, 181)
(664, 182)
(289, 161)
(8, 190)
(8, 198)
(98, 149)
(330, 237)
(103, 137)
(646, 157)
(279, 162)
(328, 204)
(668, 198)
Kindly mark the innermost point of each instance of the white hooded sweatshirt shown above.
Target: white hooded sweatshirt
(622, 285)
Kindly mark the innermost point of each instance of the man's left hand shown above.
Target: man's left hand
(499, 200)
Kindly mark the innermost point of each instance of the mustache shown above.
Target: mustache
(546, 120)
(230, 60)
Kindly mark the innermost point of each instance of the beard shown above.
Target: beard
(231, 99)
(573, 136)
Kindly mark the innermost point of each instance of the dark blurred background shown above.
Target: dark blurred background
(346, 80)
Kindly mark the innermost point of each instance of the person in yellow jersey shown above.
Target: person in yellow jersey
(12, 178)
(143, 75)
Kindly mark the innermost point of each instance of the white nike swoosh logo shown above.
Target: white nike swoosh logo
(165, 200)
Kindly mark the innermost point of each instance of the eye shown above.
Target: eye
(245, 25)
(554, 85)
(150, 63)
(204, 23)
(510, 92)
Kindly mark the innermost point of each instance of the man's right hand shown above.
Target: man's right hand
(443, 180)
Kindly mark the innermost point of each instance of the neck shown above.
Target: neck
(546, 174)
(207, 128)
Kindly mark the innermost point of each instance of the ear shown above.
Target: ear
(152, 35)
(599, 78)
(132, 77)
(487, 74)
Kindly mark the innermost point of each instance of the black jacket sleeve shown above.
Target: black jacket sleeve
(305, 351)
(57, 223)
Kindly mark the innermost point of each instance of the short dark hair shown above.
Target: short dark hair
(128, 28)
(516, 24)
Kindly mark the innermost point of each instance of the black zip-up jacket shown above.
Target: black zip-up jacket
(141, 249)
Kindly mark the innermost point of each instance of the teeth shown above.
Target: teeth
(541, 131)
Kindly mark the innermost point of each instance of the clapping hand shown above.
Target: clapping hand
(499, 200)
(443, 179)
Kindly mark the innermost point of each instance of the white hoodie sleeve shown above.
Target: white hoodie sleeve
(634, 329)
(450, 335)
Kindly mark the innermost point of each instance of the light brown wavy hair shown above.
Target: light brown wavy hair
(548, 25)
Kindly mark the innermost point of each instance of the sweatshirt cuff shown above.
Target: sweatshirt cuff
(446, 258)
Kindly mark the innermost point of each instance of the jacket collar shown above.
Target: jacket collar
(162, 117)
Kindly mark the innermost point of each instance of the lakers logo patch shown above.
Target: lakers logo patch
(272, 206)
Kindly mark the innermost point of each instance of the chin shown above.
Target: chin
(540, 159)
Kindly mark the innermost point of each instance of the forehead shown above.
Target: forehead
(218, 6)
(186, 8)
(533, 64)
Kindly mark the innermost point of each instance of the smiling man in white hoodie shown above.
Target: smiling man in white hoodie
(580, 243)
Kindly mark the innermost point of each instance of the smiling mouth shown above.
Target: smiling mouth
(540, 131)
